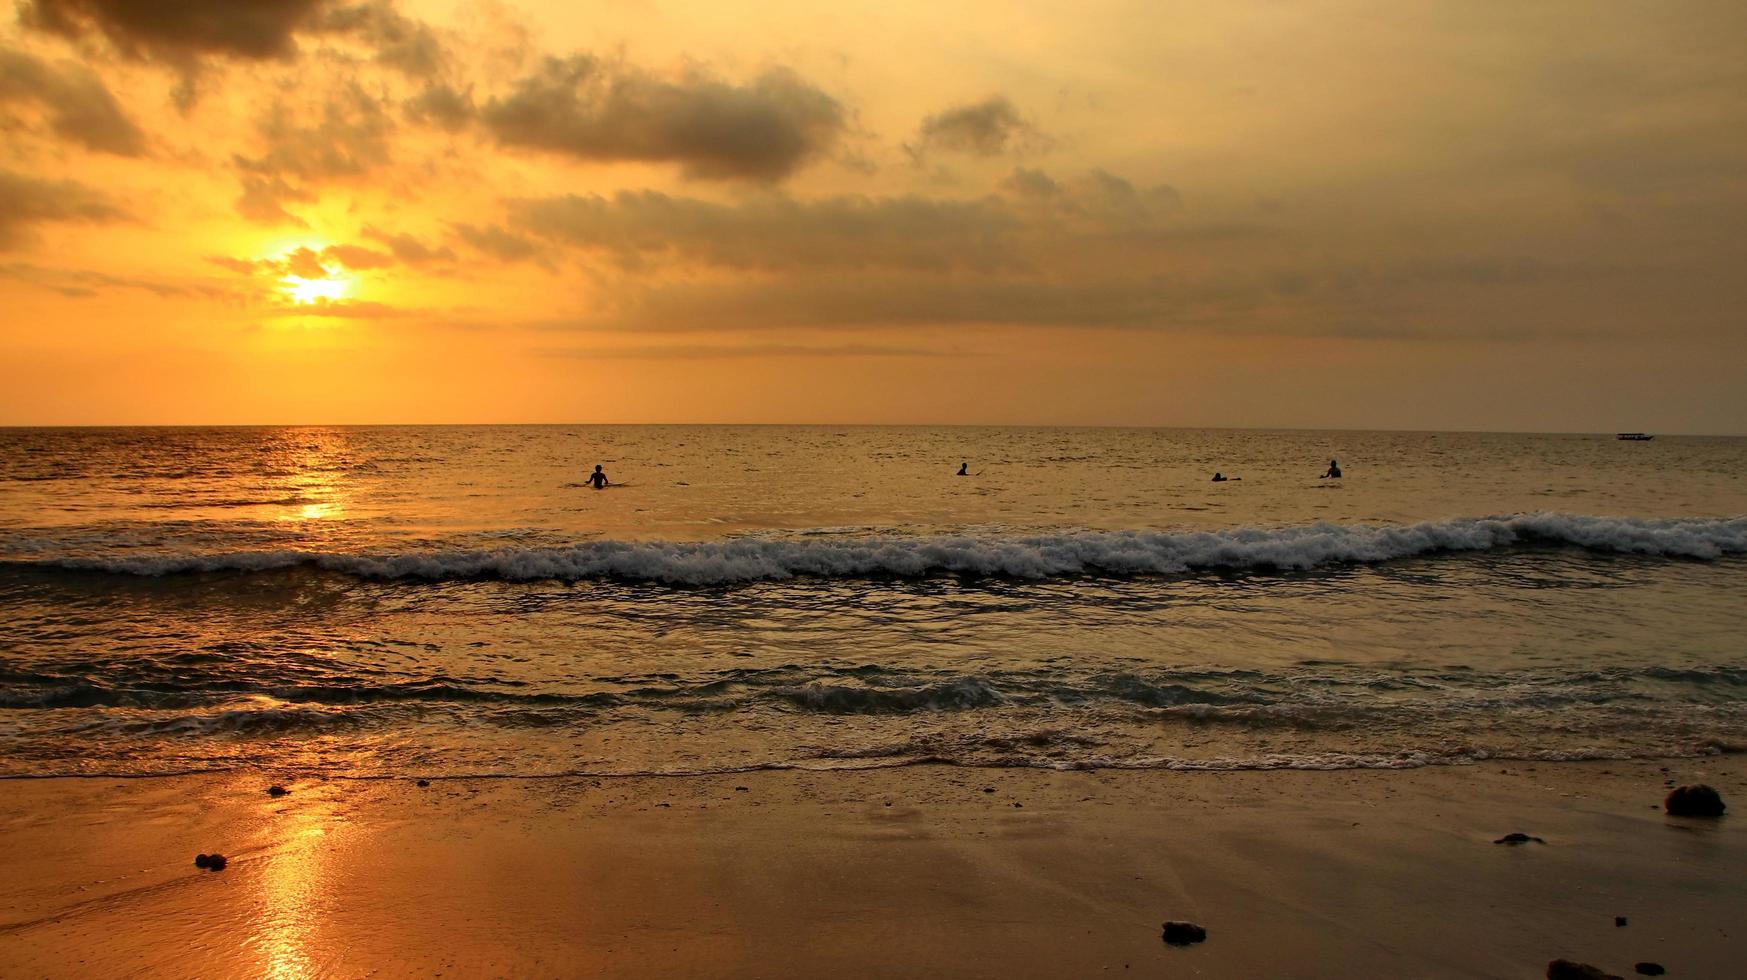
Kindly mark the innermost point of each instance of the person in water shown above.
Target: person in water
(1219, 478)
(1334, 471)
(964, 469)
(597, 479)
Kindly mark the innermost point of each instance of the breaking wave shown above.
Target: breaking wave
(1036, 556)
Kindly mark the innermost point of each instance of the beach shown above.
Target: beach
(673, 489)
(913, 871)
(800, 702)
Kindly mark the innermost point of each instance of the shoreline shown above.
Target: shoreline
(917, 870)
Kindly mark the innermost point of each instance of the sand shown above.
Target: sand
(891, 873)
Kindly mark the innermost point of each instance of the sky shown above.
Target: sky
(1415, 214)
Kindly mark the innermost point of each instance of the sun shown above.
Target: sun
(305, 292)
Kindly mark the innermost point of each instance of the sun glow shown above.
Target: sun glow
(304, 292)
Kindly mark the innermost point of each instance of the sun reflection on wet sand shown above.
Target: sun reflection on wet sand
(296, 887)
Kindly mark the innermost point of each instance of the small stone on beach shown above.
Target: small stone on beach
(1184, 933)
(1694, 801)
(1649, 969)
(1569, 970)
(1518, 839)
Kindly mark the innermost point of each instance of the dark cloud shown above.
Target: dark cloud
(307, 263)
(27, 201)
(75, 103)
(263, 200)
(177, 30)
(985, 129)
(441, 106)
(1033, 223)
(594, 110)
(85, 283)
(498, 243)
(357, 257)
(406, 248)
(649, 229)
(919, 299)
(244, 266)
(1410, 299)
(1031, 184)
(185, 34)
(1114, 201)
(1088, 250)
(348, 136)
(403, 43)
(702, 352)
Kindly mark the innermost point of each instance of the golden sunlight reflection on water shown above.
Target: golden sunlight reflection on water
(313, 463)
(297, 888)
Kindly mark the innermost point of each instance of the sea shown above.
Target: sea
(433, 601)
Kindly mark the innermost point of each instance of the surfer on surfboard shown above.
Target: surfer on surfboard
(597, 479)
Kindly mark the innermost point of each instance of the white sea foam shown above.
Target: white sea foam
(1023, 556)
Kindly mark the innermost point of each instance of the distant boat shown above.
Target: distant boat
(1635, 437)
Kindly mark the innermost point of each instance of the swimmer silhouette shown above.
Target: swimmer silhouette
(597, 478)
(1334, 471)
(1218, 478)
(964, 469)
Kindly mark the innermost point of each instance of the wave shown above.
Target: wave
(1039, 556)
(963, 694)
(903, 756)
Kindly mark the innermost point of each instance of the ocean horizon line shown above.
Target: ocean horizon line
(1116, 427)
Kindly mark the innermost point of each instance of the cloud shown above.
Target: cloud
(347, 136)
(307, 263)
(344, 309)
(357, 257)
(87, 283)
(442, 106)
(648, 228)
(27, 201)
(77, 105)
(403, 43)
(916, 299)
(406, 248)
(178, 30)
(1033, 220)
(498, 243)
(244, 266)
(701, 352)
(185, 34)
(597, 111)
(1031, 185)
(263, 200)
(985, 129)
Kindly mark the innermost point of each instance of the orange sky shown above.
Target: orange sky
(1401, 215)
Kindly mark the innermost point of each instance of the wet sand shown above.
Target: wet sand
(890, 873)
